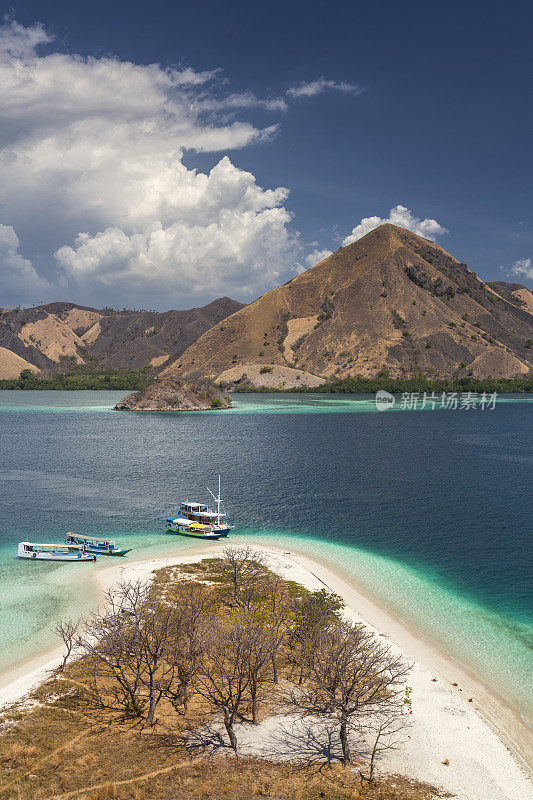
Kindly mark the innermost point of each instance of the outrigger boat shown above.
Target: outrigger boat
(92, 544)
(202, 514)
(54, 552)
(184, 527)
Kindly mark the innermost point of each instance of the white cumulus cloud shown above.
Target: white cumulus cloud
(18, 278)
(316, 257)
(93, 180)
(312, 88)
(523, 267)
(225, 235)
(401, 216)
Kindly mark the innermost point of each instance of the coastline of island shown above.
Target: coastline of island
(456, 718)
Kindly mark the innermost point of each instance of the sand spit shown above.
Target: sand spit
(453, 743)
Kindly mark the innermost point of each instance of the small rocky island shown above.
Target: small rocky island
(173, 394)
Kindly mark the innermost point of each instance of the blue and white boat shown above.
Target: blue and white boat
(202, 514)
(92, 544)
(184, 527)
(54, 552)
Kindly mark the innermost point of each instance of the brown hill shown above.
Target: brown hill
(390, 300)
(516, 293)
(56, 336)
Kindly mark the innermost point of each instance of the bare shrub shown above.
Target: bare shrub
(235, 670)
(244, 571)
(313, 615)
(350, 678)
(68, 630)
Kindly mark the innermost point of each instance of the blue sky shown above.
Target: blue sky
(265, 136)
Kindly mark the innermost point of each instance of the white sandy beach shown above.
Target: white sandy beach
(445, 725)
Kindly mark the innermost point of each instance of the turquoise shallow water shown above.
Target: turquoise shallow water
(428, 512)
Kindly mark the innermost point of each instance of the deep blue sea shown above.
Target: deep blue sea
(428, 511)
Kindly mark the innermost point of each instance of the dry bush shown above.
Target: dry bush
(108, 792)
(351, 678)
(18, 755)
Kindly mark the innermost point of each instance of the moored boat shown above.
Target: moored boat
(202, 514)
(184, 527)
(54, 552)
(92, 544)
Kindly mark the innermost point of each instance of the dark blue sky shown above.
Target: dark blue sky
(444, 124)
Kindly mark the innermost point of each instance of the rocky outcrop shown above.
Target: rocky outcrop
(173, 394)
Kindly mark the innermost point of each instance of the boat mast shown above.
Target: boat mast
(216, 499)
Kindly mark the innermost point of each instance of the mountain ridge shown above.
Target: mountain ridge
(58, 336)
(391, 301)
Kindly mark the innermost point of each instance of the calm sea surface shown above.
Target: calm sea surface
(429, 511)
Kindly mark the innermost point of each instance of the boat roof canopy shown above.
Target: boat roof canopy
(56, 544)
(89, 538)
(193, 505)
(197, 526)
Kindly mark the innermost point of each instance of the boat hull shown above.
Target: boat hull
(52, 557)
(191, 534)
(105, 552)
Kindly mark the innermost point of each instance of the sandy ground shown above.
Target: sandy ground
(280, 378)
(445, 726)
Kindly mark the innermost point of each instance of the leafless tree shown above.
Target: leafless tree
(68, 631)
(125, 649)
(142, 647)
(260, 654)
(386, 730)
(279, 616)
(235, 669)
(154, 636)
(193, 617)
(246, 573)
(225, 677)
(351, 677)
(113, 658)
(313, 615)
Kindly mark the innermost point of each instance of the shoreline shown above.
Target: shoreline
(483, 740)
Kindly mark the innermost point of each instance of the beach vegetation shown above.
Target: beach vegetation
(356, 384)
(352, 678)
(82, 378)
(215, 643)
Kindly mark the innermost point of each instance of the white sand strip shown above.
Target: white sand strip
(445, 726)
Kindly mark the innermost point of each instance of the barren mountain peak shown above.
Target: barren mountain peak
(392, 300)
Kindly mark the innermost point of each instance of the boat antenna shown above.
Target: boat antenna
(218, 499)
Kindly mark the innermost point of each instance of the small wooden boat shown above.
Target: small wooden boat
(54, 552)
(184, 527)
(92, 544)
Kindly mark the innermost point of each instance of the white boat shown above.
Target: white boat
(92, 544)
(54, 552)
(201, 513)
(184, 527)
